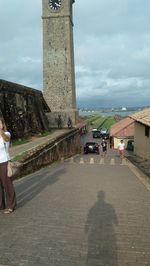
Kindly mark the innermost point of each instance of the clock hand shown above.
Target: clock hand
(57, 4)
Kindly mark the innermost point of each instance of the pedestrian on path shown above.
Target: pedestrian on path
(104, 147)
(7, 192)
(59, 121)
(69, 123)
(121, 148)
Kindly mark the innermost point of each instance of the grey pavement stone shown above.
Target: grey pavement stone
(76, 215)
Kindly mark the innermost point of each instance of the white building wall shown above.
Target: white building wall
(141, 142)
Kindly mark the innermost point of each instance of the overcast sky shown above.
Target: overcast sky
(111, 43)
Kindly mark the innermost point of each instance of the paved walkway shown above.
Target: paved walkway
(87, 211)
(34, 142)
(143, 165)
(78, 214)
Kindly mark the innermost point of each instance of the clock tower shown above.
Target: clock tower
(58, 60)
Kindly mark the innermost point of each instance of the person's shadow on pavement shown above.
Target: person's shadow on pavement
(102, 246)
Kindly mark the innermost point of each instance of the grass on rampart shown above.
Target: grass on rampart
(101, 121)
(24, 140)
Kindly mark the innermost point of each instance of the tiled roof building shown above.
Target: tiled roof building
(142, 133)
(143, 117)
(123, 128)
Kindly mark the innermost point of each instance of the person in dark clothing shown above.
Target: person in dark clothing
(69, 122)
(104, 147)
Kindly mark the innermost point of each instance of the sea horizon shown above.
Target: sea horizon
(121, 111)
(109, 113)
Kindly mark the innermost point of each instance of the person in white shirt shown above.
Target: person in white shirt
(7, 192)
(121, 148)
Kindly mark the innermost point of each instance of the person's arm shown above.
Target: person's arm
(5, 136)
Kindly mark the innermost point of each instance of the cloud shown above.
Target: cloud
(115, 40)
(21, 39)
(111, 43)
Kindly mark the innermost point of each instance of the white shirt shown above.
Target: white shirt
(121, 146)
(4, 145)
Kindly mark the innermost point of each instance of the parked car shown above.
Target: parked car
(105, 135)
(91, 147)
(96, 134)
(94, 129)
(104, 130)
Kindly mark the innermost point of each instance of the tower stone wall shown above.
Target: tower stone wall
(58, 62)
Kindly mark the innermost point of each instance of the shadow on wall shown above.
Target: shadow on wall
(99, 227)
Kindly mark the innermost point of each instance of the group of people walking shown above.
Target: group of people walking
(121, 148)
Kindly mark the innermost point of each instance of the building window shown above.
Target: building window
(147, 128)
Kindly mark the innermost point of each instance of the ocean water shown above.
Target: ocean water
(110, 113)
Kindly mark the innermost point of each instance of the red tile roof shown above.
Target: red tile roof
(142, 117)
(123, 128)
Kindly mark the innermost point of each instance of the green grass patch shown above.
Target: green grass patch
(109, 122)
(92, 118)
(26, 140)
(101, 121)
(43, 134)
(19, 141)
(20, 157)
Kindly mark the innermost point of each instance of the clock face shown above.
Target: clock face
(55, 4)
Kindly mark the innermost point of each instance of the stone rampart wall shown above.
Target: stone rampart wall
(23, 109)
(60, 148)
